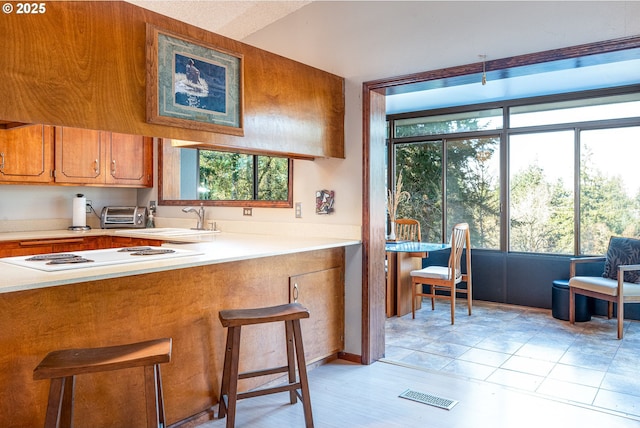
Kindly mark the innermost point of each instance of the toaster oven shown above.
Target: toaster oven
(123, 217)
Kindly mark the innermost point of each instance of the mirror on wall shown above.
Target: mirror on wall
(188, 176)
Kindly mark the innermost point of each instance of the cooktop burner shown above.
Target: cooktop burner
(152, 252)
(93, 258)
(75, 259)
(133, 249)
(55, 256)
(58, 259)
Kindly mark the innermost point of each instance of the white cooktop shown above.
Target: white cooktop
(110, 256)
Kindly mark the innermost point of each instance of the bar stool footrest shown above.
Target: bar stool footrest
(263, 372)
(270, 390)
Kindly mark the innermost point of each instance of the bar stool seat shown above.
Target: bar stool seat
(62, 366)
(234, 319)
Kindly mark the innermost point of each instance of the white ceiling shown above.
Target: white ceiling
(233, 19)
(240, 19)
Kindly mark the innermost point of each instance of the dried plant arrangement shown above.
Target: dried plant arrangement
(394, 198)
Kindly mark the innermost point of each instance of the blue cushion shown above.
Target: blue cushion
(622, 251)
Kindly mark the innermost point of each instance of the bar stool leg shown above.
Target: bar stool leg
(302, 371)
(291, 361)
(224, 387)
(154, 397)
(229, 389)
(60, 404)
(160, 396)
(66, 416)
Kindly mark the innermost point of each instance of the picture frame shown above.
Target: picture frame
(192, 85)
(325, 199)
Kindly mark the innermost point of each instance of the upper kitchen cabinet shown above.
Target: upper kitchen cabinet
(130, 159)
(89, 157)
(90, 61)
(26, 154)
(79, 156)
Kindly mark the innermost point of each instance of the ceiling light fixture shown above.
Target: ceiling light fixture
(484, 69)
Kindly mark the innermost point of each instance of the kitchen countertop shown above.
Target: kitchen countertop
(69, 234)
(212, 248)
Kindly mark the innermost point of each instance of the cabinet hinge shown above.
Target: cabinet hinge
(53, 173)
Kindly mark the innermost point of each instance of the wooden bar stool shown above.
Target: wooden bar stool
(234, 320)
(63, 366)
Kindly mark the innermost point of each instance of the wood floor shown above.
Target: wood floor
(350, 395)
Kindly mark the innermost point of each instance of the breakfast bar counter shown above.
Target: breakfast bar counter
(210, 248)
(176, 297)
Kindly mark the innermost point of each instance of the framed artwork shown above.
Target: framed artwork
(191, 85)
(324, 201)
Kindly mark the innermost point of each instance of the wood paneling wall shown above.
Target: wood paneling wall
(83, 64)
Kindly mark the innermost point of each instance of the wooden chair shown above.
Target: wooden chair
(63, 366)
(446, 278)
(236, 318)
(612, 286)
(407, 229)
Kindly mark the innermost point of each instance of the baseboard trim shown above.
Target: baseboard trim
(353, 358)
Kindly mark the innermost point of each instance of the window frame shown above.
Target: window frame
(248, 203)
(504, 133)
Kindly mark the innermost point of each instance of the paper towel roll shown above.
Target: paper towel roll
(79, 211)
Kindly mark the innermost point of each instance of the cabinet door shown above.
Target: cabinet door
(130, 160)
(80, 244)
(26, 154)
(79, 155)
(64, 245)
(126, 241)
(24, 248)
(322, 293)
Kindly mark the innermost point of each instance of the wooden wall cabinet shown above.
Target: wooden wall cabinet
(321, 292)
(130, 159)
(98, 81)
(26, 154)
(90, 157)
(43, 154)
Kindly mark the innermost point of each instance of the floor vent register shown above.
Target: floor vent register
(432, 400)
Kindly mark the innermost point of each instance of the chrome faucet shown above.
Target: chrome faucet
(200, 213)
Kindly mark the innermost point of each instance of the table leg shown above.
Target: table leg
(391, 284)
(405, 263)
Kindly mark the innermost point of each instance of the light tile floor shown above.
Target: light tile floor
(524, 348)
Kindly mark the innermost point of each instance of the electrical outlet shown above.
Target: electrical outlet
(88, 206)
(247, 211)
(298, 209)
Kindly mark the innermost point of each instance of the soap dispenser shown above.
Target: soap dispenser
(150, 220)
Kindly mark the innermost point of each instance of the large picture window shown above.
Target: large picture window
(609, 186)
(422, 175)
(568, 167)
(541, 183)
